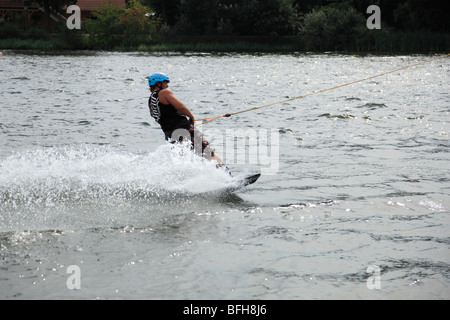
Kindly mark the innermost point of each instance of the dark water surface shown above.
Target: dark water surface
(353, 202)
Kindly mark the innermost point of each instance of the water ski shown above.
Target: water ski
(249, 180)
(244, 182)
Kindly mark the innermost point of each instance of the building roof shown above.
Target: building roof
(94, 4)
(11, 3)
(83, 4)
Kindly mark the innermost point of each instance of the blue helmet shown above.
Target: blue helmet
(157, 77)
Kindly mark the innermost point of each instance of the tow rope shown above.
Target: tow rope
(206, 120)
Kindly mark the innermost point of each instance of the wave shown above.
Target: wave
(59, 175)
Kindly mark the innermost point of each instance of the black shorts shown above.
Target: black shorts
(197, 140)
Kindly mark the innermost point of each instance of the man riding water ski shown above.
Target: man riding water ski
(176, 120)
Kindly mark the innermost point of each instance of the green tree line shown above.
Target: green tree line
(229, 25)
(316, 25)
(286, 17)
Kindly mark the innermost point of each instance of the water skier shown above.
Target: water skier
(175, 119)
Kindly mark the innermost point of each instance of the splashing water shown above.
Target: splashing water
(47, 183)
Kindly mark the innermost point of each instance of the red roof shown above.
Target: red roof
(94, 4)
(11, 3)
(83, 4)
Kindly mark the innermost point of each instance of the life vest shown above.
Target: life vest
(166, 114)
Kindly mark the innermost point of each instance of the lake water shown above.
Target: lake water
(353, 202)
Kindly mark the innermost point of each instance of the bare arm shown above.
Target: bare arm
(167, 97)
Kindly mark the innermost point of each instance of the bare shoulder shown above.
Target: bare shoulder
(165, 91)
(164, 95)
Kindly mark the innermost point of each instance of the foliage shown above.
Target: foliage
(422, 15)
(269, 17)
(137, 24)
(332, 27)
(235, 25)
(167, 10)
(285, 17)
(198, 17)
(14, 28)
(113, 27)
(104, 29)
(240, 17)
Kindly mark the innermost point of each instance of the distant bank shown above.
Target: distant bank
(376, 42)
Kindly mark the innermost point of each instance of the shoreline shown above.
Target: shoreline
(386, 43)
